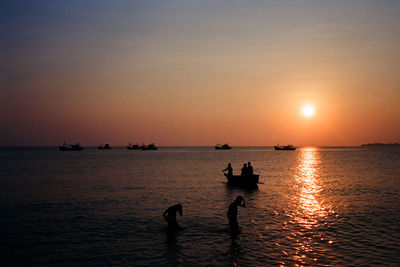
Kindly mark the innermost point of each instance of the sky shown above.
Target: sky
(196, 73)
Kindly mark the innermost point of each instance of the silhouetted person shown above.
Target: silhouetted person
(249, 168)
(244, 170)
(170, 216)
(229, 169)
(232, 214)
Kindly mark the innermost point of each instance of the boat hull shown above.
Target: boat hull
(284, 148)
(148, 148)
(222, 148)
(70, 149)
(133, 147)
(104, 147)
(243, 181)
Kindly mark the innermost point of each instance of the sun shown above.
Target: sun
(308, 111)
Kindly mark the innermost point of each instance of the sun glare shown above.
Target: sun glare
(308, 111)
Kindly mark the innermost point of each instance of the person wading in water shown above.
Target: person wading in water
(232, 214)
(170, 216)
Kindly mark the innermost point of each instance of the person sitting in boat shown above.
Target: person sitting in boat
(244, 170)
(170, 216)
(229, 169)
(232, 214)
(249, 169)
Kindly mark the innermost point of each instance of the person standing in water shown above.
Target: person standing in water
(170, 216)
(229, 169)
(232, 214)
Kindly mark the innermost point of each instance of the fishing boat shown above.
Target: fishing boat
(148, 147)
(71, 147)
(106, 146)
(224, 146)
(132, 146)
(242, 181)
(288, 147)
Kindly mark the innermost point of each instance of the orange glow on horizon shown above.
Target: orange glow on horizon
(217, 78)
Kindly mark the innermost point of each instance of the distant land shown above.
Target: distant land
(381, 144)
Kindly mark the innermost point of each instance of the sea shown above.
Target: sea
(315, 206)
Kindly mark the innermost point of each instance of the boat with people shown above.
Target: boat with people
(246, 179)
(224, 146)
(106, 146)
(250, 180)
(148, 147)
(132, 146)
(71, 147)
(287, 147)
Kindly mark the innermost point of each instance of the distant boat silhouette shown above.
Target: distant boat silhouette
(242, 181)
(132, 147)
(148, 147)
(106, 146)
(224, 146)
(71, 147)
(288, 147)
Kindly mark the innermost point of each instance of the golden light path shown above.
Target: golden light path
(311, 209)
(309, 212)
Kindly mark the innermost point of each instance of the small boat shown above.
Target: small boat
(243, 181)
(106, 146)
(72, 147)
(288, 147)
(132, 147)
(148, 147)
(224, 146)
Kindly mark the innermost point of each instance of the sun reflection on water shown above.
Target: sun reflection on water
(308, 211)
(311, 208)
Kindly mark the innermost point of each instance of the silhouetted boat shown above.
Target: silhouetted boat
(132, 147)
(106, 146)
(288, 147)
(224, 146)
(148, 147)
(68, 147)
(243, 181)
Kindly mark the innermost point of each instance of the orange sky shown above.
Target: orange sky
(200, 73)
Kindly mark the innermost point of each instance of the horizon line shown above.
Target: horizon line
(5, 146)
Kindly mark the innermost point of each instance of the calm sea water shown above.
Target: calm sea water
(314, 206)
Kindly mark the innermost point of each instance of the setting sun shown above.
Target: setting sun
(308, 111)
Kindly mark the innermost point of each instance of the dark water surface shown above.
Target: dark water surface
(314, 206)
